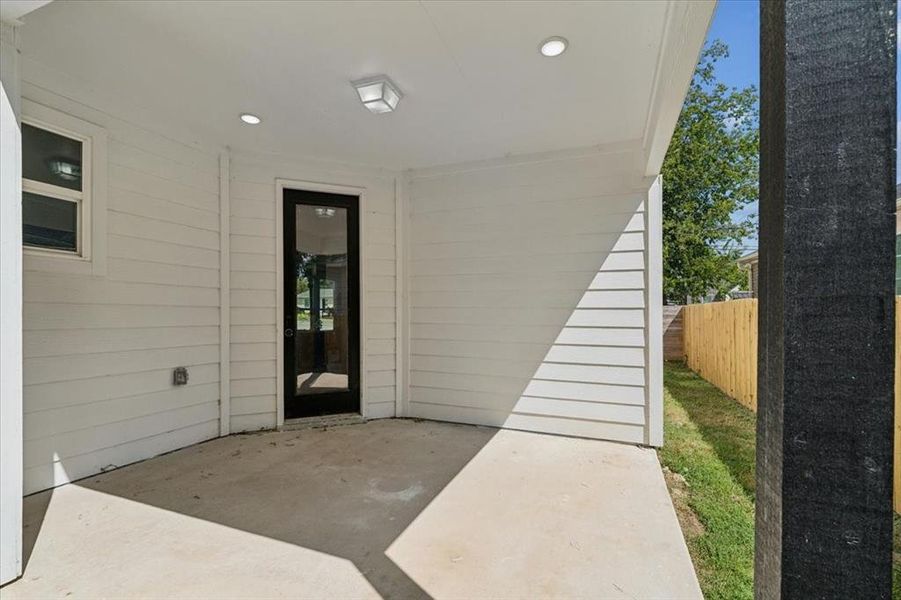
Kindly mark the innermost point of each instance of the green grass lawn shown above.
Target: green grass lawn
(709, 453)
(708, 459)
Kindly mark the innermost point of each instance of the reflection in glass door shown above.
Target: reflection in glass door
(321, 303)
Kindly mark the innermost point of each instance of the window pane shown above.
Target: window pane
(50, 158)
(49, 222)
(321, 338)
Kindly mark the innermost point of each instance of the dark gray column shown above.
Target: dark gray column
(827, 263)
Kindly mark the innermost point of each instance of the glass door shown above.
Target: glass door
(321, 246)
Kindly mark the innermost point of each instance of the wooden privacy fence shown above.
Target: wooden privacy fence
(720, 345)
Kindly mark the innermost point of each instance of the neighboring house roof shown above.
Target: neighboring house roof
(748, 259)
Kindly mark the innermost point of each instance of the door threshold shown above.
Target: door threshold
(338, 420)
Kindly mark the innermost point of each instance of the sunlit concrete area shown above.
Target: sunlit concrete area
(392, 509)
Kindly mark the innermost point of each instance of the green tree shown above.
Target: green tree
(709, 172)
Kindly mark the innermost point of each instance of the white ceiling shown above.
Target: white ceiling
(475, 84)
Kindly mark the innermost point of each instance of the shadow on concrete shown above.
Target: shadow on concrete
(348, 492)
(36, 508)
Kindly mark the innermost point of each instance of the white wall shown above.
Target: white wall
(100, 350)
(254, 366)
(527, 304)
(529, 295)
(10, 310)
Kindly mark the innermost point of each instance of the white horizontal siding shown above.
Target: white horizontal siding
(541, 423)
(254, 422)
(527, 296)
(55, 471)
(58, 342)
(600, 336)
(50, 396)
(59, 450)
(253, 284)
(101, 364)
(99, 351)
(568, 390)
(147, 271)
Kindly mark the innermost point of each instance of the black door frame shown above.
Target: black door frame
(309, 405)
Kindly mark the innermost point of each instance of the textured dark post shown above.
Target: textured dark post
(827, 260)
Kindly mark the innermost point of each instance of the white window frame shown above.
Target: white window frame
(81, 199)
(90, 255)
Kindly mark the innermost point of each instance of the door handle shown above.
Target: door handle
(289, 333)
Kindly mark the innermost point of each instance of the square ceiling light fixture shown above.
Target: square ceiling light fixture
(379, 94)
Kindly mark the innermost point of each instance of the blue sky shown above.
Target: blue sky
(737, 22)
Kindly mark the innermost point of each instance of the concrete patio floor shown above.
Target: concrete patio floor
(390, 508)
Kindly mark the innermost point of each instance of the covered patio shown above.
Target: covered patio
(246, 217)
(447, 211)
(390, 508)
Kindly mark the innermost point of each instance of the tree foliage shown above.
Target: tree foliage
(710, 171)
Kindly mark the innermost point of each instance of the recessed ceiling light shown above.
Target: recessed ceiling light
(250, 119)
(554, 46)
(378, 94)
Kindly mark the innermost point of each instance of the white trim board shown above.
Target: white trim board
(314, 186)
(684, 23)
(401, 327)
(224, 297)
(11, 447)
(654, 312)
